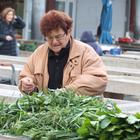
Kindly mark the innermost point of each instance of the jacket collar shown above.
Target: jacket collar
(73, 49)
(43, 61)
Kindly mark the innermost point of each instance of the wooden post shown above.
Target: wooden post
(50, 5)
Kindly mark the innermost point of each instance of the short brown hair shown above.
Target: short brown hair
(6, 11)
(53, 20)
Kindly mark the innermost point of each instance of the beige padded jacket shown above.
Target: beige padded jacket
(84, 71)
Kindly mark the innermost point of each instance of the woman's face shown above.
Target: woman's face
(57, 39)
(9, 17)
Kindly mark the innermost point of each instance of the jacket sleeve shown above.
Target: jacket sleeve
(2, 35)
(27, 71)
(18, 23)
(34, 67)
(93, 78)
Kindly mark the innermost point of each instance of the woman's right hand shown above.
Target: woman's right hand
(27, 85)
(9, 38)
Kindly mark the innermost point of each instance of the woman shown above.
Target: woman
(63, 62)
(8, 23)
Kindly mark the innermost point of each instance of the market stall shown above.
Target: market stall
(61, 115)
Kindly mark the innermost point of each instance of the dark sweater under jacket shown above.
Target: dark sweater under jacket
(9, 47)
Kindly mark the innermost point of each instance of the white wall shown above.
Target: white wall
(38, 12)
(119, 18)
(87, 16)
(28, 19)
(137, 20)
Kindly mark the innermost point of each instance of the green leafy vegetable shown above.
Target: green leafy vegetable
(62, 115)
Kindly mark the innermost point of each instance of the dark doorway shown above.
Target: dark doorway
(50, 4)
(18, 5)
(7, 3)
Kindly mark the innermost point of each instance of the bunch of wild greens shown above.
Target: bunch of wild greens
(62, 115)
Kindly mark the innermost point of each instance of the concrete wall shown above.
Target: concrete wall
(137, 20)
(38, 12)
(28, 19)
(119, 17)
(87, 16)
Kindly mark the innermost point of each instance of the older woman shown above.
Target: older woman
(8, 23)
(63, 62)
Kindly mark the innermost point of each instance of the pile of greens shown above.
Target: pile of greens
(28, 47)
(62, 115)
